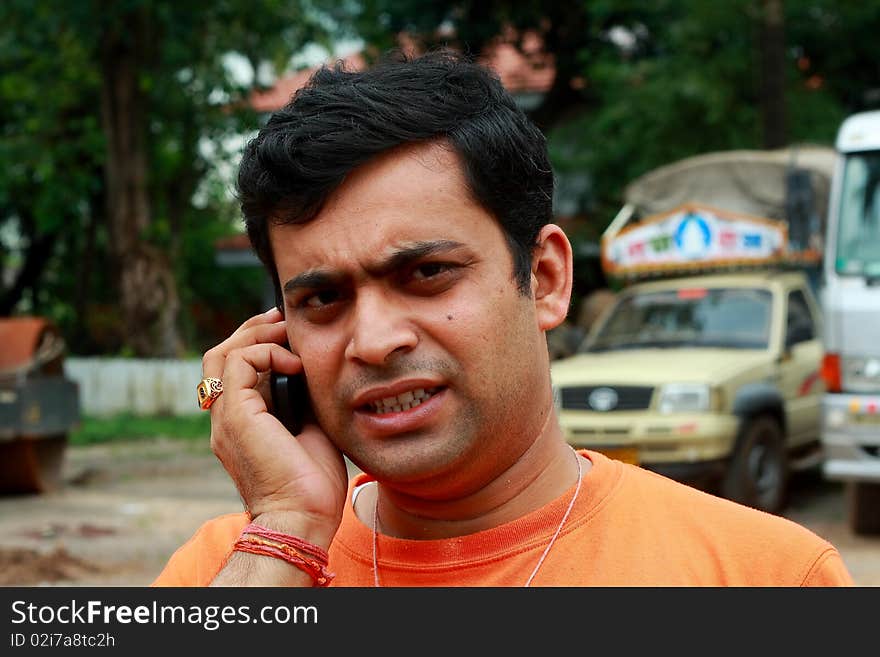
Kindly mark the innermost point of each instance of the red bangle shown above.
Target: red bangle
(306, 556)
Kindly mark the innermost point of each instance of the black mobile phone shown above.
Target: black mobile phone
(290, 400)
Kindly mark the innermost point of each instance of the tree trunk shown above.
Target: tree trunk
(37, 255)
(772, 54)
(81, 338)
(147, 288)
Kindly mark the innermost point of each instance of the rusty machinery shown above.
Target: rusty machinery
(38, 405)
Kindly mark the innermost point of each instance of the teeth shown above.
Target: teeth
(403, 402)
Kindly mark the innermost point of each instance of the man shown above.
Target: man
(404, 214)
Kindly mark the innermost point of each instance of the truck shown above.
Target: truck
(706, 367)
(850, 297)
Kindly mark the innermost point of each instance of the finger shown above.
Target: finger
(275, 332)
(214, 358)
(243, 366)
(270, 316)
(242, 402)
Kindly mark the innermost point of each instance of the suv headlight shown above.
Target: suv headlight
(685, 398)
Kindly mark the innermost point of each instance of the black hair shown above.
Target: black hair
(341, 119)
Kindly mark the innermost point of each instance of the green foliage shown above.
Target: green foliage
(685, 86)
(196, 427)
(638, 85)
(663, 80)
(689, 83)
(53, 146)
(50, 137)
(834, 44)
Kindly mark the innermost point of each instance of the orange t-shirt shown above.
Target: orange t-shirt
(629, 527)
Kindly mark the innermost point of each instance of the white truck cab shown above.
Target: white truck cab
(850, 297)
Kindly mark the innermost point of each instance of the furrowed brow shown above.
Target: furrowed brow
(406, 255)
(311, 280)
(400, 258)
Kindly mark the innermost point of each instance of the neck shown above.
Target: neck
(543, 472)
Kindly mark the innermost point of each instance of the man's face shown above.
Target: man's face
(425, 363)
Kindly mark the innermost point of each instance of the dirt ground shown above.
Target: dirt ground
(123, 510)
(125, 507)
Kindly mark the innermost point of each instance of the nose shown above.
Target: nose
(379, 329)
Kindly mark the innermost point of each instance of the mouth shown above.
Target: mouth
(402, 402)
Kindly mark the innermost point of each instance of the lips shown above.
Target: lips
(402, 402)
(399, 408)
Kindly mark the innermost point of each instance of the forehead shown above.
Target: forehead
(410, 195)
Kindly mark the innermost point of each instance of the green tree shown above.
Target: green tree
(50, 150)
(704, 77)
(108, 109)
(638, 84)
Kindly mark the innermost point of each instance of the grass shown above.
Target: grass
(134, 427)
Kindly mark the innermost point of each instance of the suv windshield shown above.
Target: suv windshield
(858, 233)
(737, 318)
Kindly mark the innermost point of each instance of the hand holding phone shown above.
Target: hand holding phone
(296, 484)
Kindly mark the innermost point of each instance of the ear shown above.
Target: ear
(552, 276)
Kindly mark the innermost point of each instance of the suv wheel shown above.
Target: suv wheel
(864, 507)
(757, 474)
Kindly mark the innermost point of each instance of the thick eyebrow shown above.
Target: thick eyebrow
(406, 255)
(399, 258)
(312, 280)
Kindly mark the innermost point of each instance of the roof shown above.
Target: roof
(529, 70)
(235, 251)
(859, 132)
(281, 92)
(526, 71)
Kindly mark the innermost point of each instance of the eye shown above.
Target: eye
(320, 306)
(430, 278)
(430, 270)
(321, 299)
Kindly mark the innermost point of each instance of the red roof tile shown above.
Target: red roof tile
(279, 95)
(520, 72)
(233, 243)
(529, 71)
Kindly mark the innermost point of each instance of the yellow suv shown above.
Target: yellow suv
(711, 379)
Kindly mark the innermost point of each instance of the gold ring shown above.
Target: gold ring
(209, 389)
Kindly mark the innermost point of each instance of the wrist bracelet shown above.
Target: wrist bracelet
(306, 556)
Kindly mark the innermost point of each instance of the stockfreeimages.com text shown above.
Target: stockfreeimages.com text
(211, 617)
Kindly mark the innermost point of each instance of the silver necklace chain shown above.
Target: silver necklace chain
(577, 489)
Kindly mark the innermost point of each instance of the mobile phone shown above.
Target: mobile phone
(290, 400)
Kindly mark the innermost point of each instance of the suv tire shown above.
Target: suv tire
(864, 507)
(757, 474)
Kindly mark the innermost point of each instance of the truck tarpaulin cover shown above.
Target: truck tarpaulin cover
(722, 209)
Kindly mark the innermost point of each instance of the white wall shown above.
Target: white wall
(108, 386)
